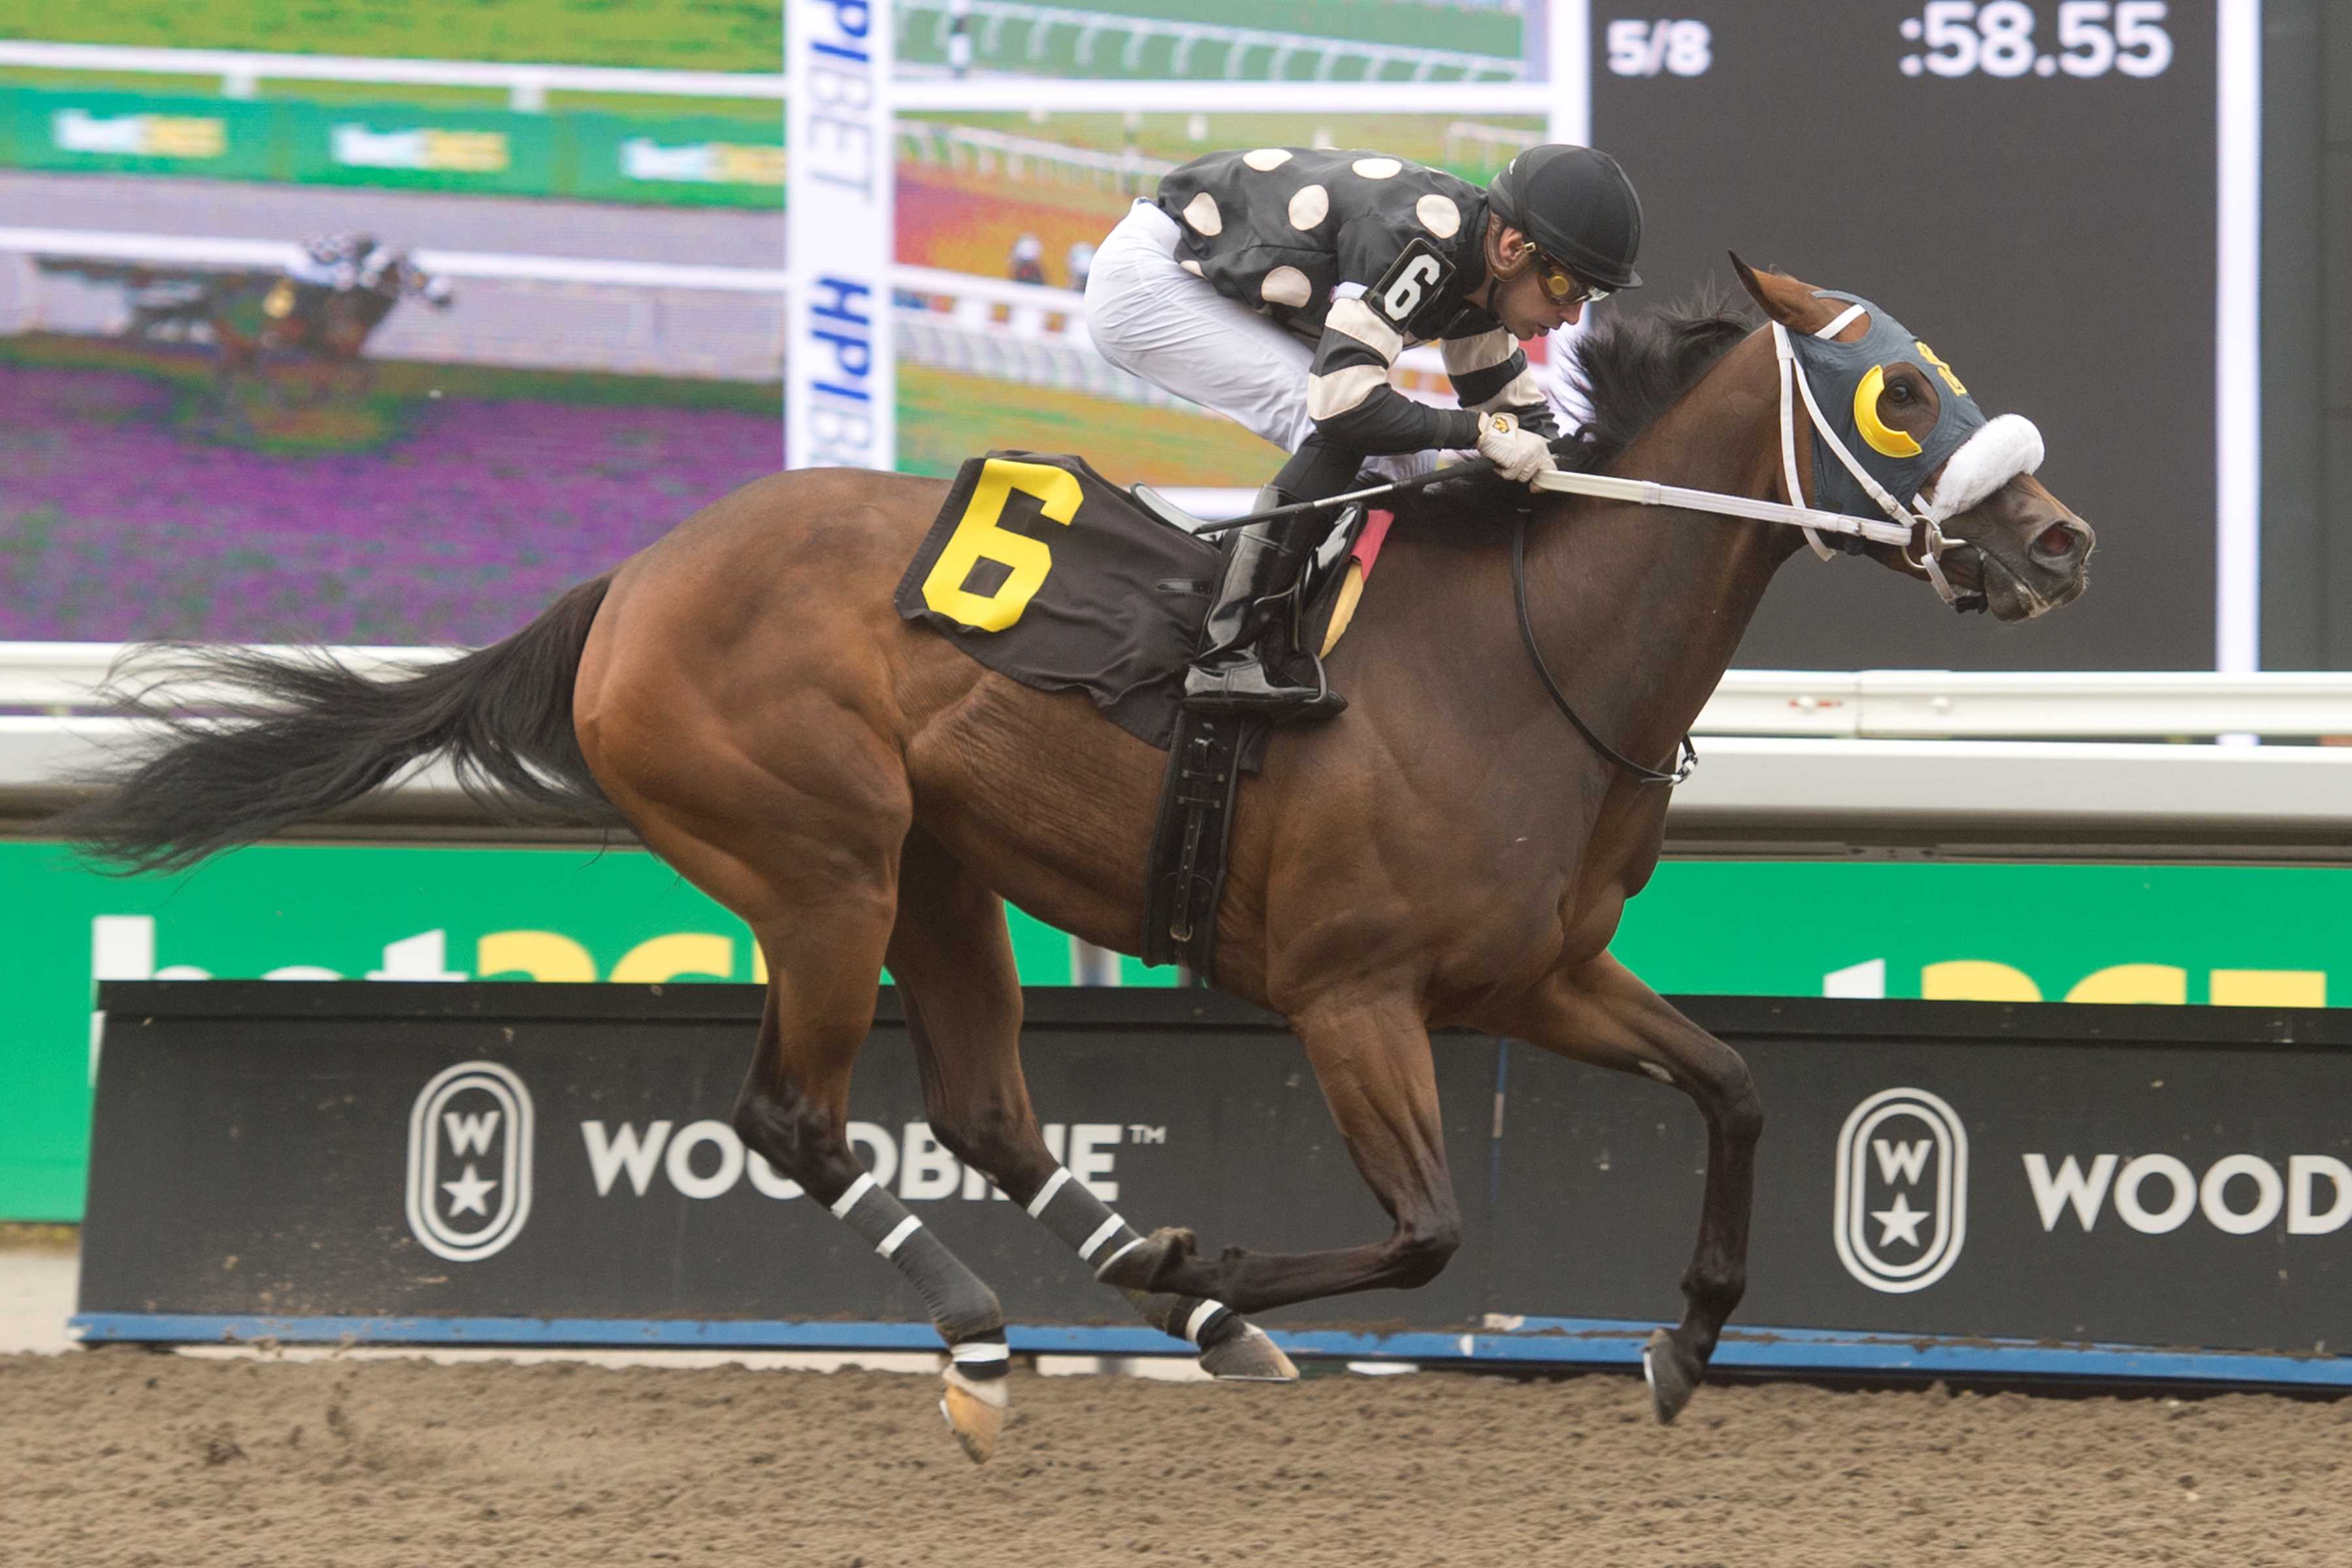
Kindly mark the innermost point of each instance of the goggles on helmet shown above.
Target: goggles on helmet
(1562, 287)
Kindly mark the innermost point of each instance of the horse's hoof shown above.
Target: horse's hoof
(976, 1413)
(1248, 1356)
(1671, 1372)
(1143, 1267)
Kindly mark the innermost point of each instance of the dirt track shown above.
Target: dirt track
(122, 1457)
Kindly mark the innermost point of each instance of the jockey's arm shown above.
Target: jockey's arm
(1384, 288)
(1348, 390)
(1491, 375)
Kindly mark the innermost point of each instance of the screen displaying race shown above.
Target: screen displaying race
(396, 361)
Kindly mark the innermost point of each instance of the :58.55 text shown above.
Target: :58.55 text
(2094, 38)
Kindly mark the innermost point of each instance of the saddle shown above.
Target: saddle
(1045, 572)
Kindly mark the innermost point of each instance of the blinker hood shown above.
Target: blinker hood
(1836, 372)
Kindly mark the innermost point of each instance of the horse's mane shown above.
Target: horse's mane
(1631, 367)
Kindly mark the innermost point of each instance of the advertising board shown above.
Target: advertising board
(556, 1162)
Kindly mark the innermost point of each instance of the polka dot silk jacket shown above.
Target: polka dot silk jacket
(1362, 254)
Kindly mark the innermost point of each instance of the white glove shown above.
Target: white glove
(1519, 455)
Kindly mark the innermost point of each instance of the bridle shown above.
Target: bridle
(1917, 531)
(1924, 538)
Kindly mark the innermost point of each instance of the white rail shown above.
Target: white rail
(1873, 704)
(183, 250)
(1026, 157)
(1891, 704)
(526, 86)
(1085, 29)
(1754, 794)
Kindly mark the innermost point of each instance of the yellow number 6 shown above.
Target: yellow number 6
(977, 538)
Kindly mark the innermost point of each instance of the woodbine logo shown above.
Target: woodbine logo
(470, 1147)
(2239, 1194)
(704, 1160)
(1902, 1190)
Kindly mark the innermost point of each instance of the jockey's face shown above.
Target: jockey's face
(1526, 311)
(1516, 292)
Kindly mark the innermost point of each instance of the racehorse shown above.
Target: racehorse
(1448, 852)
(307, 323)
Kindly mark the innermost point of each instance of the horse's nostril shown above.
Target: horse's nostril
(2057, 540)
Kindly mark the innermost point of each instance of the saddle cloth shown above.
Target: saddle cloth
(1047, 572)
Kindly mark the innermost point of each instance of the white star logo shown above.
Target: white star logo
(1902, 1220)
(466, 1195)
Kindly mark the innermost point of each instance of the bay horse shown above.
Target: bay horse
(1448, 852)
(312, 324)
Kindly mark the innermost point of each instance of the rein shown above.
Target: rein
(1688, 759)
(1916, 533)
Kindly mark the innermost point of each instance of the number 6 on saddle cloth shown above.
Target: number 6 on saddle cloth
(1047, 572)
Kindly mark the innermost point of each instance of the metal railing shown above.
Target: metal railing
(985, 153)
(1795, 704)
(1793, 762)
(991, 19)
(528, 85)
(242, 71)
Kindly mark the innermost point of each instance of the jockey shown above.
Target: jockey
(340, 263)
(334, 262)
(1277, 286)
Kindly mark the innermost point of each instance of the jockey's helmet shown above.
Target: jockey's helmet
(1578, 206)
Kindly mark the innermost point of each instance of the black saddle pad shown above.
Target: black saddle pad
(1045, 572)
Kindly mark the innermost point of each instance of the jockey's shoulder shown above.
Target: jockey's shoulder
(1354, 178)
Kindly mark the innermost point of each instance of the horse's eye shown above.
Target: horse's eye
(1900, 391)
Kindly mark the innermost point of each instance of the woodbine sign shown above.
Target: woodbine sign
(1940, 1181)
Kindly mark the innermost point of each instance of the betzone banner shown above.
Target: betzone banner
(840, 370)
(2134, 1175)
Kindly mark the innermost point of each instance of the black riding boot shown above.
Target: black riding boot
(1253, 629)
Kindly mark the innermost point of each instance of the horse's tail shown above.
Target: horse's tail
(302, 733)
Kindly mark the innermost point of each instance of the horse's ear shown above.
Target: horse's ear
(1785, 299)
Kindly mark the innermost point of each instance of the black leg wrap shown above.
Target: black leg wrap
(1195, 1318)
(1084, 1222)
(1089, 1227)
(963, 1308)
(981, 1358)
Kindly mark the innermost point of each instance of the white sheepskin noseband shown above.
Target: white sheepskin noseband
(2007, 447)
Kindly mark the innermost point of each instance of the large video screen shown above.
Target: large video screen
(2032, 188)
(396, 361)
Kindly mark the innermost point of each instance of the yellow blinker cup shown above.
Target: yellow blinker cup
(1882, 436)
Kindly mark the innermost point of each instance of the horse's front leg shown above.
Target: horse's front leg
(1597, 1012)
(1371, 1057)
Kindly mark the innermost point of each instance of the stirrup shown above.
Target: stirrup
(1208, 691)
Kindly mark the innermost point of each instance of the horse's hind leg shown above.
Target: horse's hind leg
(1598, 1012)
(953, 962)
(1371, 1057)
(813, 869)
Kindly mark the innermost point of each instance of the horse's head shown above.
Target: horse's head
(1917, 437)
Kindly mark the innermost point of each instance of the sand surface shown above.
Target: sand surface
(122, 1457)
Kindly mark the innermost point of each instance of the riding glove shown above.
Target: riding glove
(1519, 455)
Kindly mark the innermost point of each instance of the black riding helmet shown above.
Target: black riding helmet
(1578, 206)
